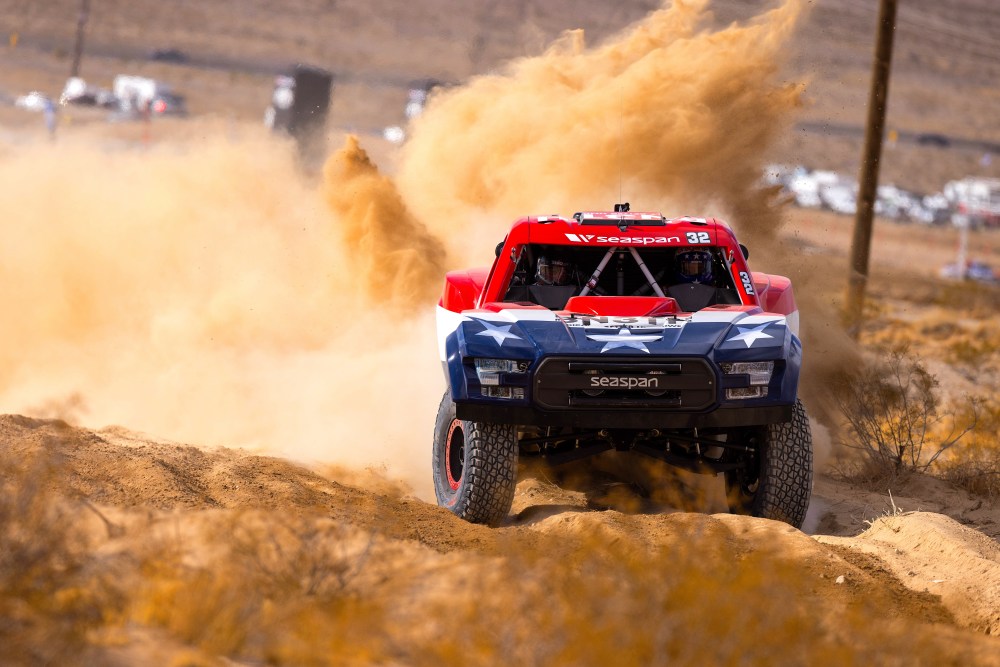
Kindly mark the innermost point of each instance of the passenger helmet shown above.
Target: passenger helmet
(694, 265)
(553, 272)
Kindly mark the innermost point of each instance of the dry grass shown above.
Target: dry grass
(607, 604)
(976, 346)
(975, 464)
(54, 589)
(592, 602)
(975, 299)
(268, 588)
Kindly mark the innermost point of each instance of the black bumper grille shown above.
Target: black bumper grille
(564, 383)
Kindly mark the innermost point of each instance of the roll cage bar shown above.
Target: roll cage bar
(596, 276)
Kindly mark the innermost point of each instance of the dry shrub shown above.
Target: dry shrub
(975, 463)
(895, 417)
(54, 590)
(270, 588)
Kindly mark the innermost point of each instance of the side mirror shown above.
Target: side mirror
(746, 252)
(500, 247)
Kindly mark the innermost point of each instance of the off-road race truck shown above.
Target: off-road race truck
(624, 331)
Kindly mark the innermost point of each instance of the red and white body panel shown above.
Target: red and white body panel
(479, 292)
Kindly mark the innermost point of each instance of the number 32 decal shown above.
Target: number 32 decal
(698, 237)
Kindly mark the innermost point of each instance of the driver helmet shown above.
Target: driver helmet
(553, 272)
(694, 265)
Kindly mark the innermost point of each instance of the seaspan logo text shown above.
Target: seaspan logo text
(627, 382)
(623, 240)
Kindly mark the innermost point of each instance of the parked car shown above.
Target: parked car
(33, 101)
(169, 55)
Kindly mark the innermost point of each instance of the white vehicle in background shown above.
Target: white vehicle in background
(33, 101)
(139, 96)
(79, 92)
(841, 197)
(903, 205)
(805, 190)
(836, 192)
(781, 174)
(976, 201)
(137, 92)
(129, 98)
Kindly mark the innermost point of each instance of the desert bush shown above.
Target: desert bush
(975, 464)
(54, 589)
(311, 555)
(895, 417)
(268, 587)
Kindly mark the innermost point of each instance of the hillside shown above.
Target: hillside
(945, 67)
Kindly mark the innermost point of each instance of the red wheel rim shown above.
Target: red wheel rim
(454, 454)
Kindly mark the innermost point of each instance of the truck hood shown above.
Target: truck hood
(721, 334)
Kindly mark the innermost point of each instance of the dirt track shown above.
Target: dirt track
(912, 577)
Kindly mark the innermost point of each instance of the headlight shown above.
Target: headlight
(759, 373)
(490, 373)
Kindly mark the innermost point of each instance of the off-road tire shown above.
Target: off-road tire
(778, 483)
(486, 469)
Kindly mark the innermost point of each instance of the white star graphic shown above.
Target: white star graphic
(750, 335)
(498, 334)
(624, 338)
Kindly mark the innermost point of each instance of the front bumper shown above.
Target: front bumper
(722, 417)
(657, 392)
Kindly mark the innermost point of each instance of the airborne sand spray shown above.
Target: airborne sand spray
(207, 294)
(397, 262)
(677, 114)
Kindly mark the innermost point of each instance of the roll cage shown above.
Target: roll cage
(618, 271)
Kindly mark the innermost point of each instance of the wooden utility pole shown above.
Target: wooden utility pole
(81, 23)
(868, 174)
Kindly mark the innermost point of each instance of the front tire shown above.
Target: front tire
(776, 483)
(474, 465)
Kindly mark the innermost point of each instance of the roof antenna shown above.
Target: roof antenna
(621, 133)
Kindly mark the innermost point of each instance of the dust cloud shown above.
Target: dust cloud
(668, 115)
(206, 292)
(400, 263)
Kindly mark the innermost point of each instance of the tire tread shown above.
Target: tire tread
(489, 476)
(786, 471)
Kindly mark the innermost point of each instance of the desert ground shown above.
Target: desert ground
(219, 374)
